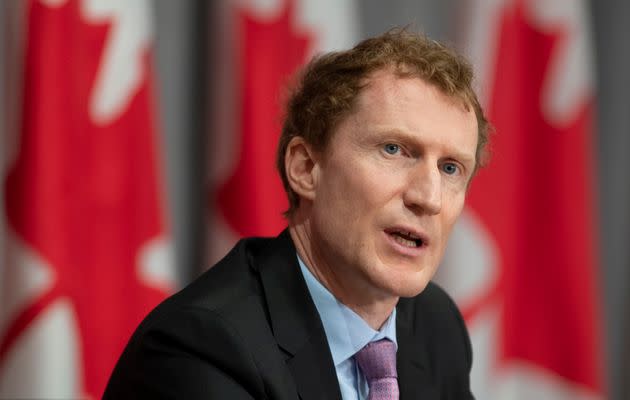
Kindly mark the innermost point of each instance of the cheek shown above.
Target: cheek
(345, 192)
(450, 215)
(332, 208)
(352, 195)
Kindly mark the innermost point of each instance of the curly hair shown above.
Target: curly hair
(328, 87)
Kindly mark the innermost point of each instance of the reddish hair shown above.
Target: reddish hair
(329, 85)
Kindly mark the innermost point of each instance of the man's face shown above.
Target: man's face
(389, 187)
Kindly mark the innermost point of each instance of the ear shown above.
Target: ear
(301, 167)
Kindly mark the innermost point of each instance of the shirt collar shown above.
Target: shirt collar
(345, 330)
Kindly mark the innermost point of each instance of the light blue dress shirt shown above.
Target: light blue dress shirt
(347, 333)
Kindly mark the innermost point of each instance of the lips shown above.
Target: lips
(407, 237)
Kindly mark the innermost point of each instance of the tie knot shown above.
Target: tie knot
(377, 360)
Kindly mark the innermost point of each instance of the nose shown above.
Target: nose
(424, 189)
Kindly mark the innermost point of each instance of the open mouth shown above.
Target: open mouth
(406, 238)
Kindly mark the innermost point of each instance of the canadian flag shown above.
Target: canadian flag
(88, 250)
(522, 260)
(262, 43)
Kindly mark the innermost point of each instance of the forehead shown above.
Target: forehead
(387, 85)
(409, 104)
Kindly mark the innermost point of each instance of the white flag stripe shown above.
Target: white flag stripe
(334, 23)
(121, 71)
(52, 339)
(24, 284)
(470, 245)
(569, 84)
(479, 41)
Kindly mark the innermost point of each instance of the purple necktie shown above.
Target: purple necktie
(377, 361)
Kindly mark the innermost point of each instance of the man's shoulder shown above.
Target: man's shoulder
(434, 316)
(217, 325)
(432, 300)
(433, 308)
(226, 287)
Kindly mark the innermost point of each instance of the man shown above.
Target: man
(377, 151)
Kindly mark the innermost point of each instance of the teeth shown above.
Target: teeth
(405, 242)
(408, 234)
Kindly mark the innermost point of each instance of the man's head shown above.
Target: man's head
(378, 148)
(330, 84)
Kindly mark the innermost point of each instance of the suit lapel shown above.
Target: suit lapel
(412, 362)
(295, 321)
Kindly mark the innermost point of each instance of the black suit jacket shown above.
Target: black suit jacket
(248, 329)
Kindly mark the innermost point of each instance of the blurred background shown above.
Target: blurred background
(137, 144)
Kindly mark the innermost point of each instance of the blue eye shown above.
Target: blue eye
(450, 168)
(391, 148)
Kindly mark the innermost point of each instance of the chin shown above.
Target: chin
(412, 290)
(409, 280)
(407, 285)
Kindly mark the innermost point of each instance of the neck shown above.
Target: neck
(372, 306)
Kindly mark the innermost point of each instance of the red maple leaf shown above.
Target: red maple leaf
(536, 199)
(83, 196)
(252, 198)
